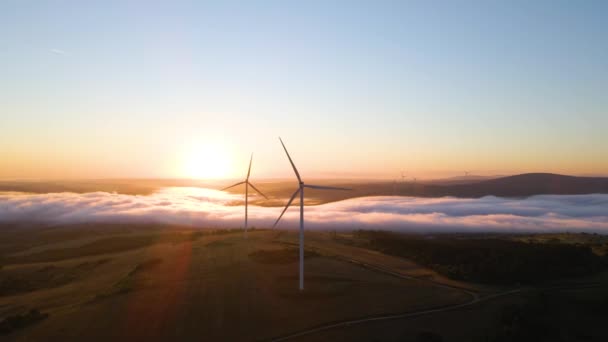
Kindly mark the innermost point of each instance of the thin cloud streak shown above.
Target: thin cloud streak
(215, 209)
(59, 52)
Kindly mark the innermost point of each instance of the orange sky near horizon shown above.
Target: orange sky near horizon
(211, 160)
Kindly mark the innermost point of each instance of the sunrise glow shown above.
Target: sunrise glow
(206, 162)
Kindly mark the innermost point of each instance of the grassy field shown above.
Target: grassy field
(133, 282)
(180, 284)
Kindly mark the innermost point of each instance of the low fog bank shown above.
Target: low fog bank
(215, 209)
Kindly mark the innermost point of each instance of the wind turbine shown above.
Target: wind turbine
(300, 191)
(247, 185)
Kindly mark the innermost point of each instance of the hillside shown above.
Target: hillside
(523, 185)
(529, 184)
(278, 190)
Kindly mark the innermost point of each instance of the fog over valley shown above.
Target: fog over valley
(207, 208)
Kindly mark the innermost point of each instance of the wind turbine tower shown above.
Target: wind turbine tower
(247, 185)
(301, 186)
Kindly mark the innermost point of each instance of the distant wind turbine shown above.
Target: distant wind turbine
(300, 191)
(247, 185)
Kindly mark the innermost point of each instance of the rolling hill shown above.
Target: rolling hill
(527, 185)
(522, 185)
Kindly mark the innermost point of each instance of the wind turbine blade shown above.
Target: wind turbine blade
(287, 206)
(324, 187)
(233, 185)
(256, 189)
(291, 161)
(249, 170)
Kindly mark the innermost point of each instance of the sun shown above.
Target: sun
(206, 162)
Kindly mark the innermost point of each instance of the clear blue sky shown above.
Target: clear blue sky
(356, 88)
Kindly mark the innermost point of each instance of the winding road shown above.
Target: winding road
(475, 298)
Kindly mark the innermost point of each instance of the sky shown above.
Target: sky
(357, 89)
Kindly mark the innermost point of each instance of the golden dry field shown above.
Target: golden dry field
(123, 282)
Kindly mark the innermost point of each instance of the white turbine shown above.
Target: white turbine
(247, 185)
(301, 192)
